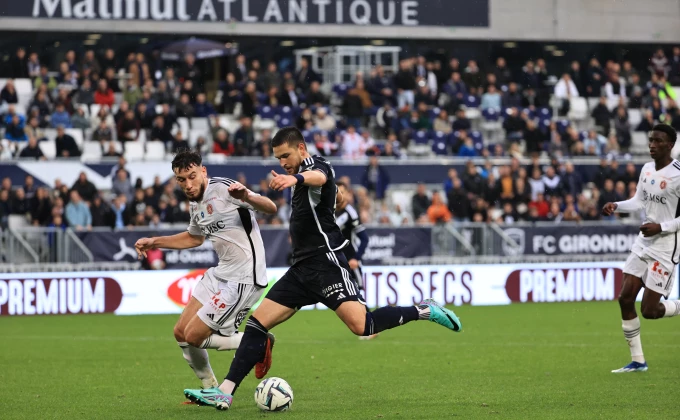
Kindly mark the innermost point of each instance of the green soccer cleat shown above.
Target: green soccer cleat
(441, 315)
(211, 397)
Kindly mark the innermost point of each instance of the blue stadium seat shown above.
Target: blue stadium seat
(562, 126)
(284, 122)
(261, 97)
(421, 137)
(545, 113)
(476, 137)
(340, 89)
(439, 136)
(434, 112)
(454, 138)
(284, 112)
(308, 136)
(490, 114)
(372, 111)
(582, 135)
(439, 148)
(471, 101)
(531, 113)
(266, 112)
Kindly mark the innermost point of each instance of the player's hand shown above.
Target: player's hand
(281, 182)
(609, 209)
(143, 245)
(650, 229)
(353, 264)
(238, 191)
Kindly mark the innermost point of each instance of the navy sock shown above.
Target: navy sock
(251, 351)
(389, 317)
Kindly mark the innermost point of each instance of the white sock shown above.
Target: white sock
(198, 361)
(221, 343)
(228, 387)
(631, 330)
(672, 308)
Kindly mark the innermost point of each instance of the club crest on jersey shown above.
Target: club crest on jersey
(209, 209)
(662, 185)
(653, 181)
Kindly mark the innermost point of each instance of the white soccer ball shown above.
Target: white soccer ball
(274, 394)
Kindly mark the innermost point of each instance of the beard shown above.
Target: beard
(199, 197)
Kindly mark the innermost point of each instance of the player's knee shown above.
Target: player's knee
(194, 338)
(179, 334)
(625, 300)
(357, 325)
(651, 312)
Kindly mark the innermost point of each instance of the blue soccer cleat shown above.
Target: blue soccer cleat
(211, 397)
(632, 367)
(441, 315)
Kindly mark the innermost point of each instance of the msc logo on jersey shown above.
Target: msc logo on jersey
(210, 208)
(663, 185)
(212, 228)
(654, 198)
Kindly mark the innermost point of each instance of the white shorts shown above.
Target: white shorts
(656, 275)
(225, 304)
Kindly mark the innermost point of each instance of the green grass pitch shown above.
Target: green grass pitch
(541, 361)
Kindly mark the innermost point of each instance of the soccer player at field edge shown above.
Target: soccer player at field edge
(653, 257)
(222, 211)
(319, 273)
(349, 222)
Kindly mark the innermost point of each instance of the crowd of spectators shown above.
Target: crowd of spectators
(423, 102)
(502, 194)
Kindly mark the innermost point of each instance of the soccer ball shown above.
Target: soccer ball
(274, 394)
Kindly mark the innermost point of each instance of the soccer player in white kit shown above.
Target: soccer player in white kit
(655, 253)
(222, 212)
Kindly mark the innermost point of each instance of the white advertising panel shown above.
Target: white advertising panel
(167, 292)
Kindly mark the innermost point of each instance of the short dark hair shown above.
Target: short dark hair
(290, 135)
(667, 130)
(341, 184)
(185, 159)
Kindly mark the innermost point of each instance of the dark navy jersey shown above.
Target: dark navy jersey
(350, 225)
(312, 223)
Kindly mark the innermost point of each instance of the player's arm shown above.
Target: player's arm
(256, 201)
(182, 240)
(627, 206)
(670, 226)
(314, 174)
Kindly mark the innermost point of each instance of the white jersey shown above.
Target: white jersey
(231, 227)
(658, 193)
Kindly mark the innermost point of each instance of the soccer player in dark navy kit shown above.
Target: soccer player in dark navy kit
(320, 272)
(349, 222)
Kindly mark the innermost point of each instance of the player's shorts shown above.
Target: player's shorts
(324, 278)
(225, 303)
(656, 275)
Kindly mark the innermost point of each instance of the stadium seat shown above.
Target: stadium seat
(284, 122)
(340, 89)
(562, 126)
(285, 112)
(86, 109)
(50, 133)
(200, 124)
(639, 143)
(266, 112)
(183, 123)
(92, 150)
(545, 114)
(578, 108)
(439, 148)
(634, 117)
(134, 150)
(155, 151)
(94, 109)
(491, 114)
(262, 124)
(438, 136)
(49, 148)
(471, 101)
(77, 135)
(420, 137)
(142, 136)
(193, 136)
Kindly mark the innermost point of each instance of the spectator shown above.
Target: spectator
(491, 99)
(437, 212)
(565, 89)
(203, 109)
(102, 133)
(160, 131)
(608, 195)
(405, 83)
(458, 201)
(121, 184)
(502, 73)
(184, 107)
(104, 95)
(615, 88)
(179, 143)
(540, 205)
(441, 122)
(572, 182)
(375, 179)
(77, 213)
(60, 117)
(353, 145)
(594, 141)
(594, 79)
(353, 107)
(79, 120)
(623, 128)
(472, 75)
(513, 97)
(244, 138)
(314, 96)
(85, 93)
(514, 125)
(305, 75)
(85, 188)
(221, 143)
(66, 145)
(602, 115)
(305, 122)
(8, 93)
(461, 122)
(15, 130)
(456, 90)
(32, 150)
(467, 148)
(420, 202)
(103, 116)
(386, 118)
(552, 182)
(102, 213)
(128, 127)
(658, 64)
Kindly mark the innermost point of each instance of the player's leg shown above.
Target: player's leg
(339, 293)
(659, 282)
(196, 358)
(633, 272)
